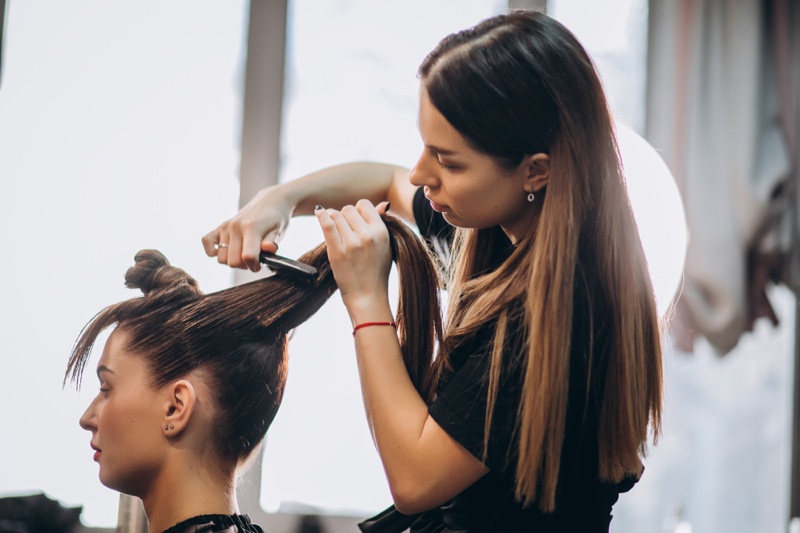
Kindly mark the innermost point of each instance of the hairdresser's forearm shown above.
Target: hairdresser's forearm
(261, 224)
(340, 185)
(395, 411)
(424, 466)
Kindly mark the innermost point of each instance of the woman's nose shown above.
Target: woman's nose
(87, 420)
(421, 174)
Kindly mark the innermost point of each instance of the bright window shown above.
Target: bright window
(119, 130)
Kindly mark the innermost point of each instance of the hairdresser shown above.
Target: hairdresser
(548, 375)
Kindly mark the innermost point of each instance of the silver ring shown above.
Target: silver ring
(221, 245)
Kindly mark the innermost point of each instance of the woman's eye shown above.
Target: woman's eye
(104, 390)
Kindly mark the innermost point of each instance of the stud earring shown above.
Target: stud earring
(531, 197)
(166, 427)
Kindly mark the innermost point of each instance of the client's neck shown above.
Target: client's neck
(186, 491)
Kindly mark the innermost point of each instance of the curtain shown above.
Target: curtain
(722, 109)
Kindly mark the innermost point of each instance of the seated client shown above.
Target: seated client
(190, 382)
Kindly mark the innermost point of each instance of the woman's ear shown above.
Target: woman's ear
(538, 172)
(179, 407)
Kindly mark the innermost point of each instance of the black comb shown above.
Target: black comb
(288, 266)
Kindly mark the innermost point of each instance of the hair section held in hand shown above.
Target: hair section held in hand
(240, 334)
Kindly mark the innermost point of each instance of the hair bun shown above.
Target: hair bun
(153, 273)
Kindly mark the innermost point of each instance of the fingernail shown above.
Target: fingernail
(318, 207)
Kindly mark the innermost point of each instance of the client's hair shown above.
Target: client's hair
(239, 335)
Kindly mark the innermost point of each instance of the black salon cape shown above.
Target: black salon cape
(583, 502)
(216, 523)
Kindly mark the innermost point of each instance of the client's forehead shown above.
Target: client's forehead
(118, 360)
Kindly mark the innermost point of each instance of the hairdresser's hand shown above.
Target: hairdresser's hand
(258, 227)
(359, 253)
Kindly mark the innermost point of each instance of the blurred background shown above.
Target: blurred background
(130, 125)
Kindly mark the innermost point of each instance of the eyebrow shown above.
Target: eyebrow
(442, 151)
(103, 368)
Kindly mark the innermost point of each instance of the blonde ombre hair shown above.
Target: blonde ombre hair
(538, 91)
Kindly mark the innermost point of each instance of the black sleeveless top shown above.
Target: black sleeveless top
(216, 523)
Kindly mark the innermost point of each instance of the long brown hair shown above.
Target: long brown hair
(516, 85)
(240, 334)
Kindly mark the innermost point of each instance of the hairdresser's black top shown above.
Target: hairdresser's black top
(216, 523)
(583, 502)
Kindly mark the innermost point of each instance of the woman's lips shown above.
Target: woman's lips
(97, 451)
(437, 207)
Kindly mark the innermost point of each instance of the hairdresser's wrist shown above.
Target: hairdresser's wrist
(368, 309)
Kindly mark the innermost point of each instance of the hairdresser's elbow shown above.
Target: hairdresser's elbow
(410, 505)
(411, 497)
(421, 488)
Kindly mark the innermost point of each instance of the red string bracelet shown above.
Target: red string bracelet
(368, 324)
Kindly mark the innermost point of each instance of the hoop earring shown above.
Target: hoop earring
(531, 197)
